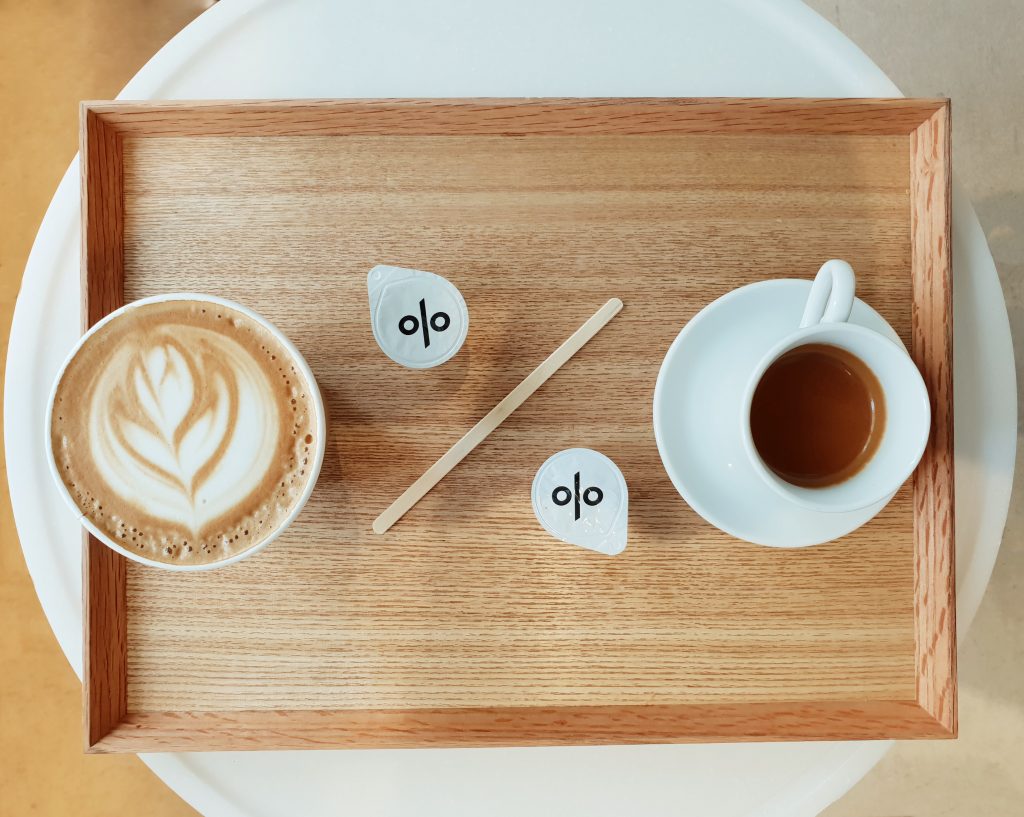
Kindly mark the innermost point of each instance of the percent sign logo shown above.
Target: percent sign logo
(410, 324)
(561, 496)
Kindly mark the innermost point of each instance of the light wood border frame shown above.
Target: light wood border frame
(110, 727)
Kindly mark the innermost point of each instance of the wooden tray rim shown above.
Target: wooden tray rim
(110, 727)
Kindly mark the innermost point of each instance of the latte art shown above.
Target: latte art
(183, 430)
(184, 421)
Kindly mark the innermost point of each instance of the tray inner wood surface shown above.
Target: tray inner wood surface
(467, 602)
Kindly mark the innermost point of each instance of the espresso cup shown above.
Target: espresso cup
(907, 407)
(186, 431)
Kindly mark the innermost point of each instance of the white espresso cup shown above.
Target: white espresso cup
(316, 454)
(907, 407)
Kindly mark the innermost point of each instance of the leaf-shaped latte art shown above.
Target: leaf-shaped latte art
(183, 424)
(175, 412)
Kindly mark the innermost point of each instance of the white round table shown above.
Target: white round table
(333, 48)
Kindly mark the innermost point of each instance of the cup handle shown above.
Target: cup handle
(831, 297)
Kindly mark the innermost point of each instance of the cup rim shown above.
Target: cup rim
(318, 410)
(798, 338)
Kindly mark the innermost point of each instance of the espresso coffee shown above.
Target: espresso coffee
(184, 430)
(817, 416)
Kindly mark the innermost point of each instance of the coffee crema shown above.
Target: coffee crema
(817, 416)
(184, 430)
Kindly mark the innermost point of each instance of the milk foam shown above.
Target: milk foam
(184, 427)
(186, 434)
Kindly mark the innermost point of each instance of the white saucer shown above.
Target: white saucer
(697, 401)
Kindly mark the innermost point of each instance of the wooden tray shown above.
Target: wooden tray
(466, 624)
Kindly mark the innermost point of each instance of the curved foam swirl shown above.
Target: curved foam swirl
(184, 431)
(183, 425)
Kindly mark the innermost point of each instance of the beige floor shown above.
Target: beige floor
(55, 52)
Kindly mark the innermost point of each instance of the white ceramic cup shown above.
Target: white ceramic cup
(320, 420)
(907, 407)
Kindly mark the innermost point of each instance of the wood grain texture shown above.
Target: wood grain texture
(104, 673)
(518, 117)
(932, 349)
(467, 609)
(102, 218)
(518, 726)
(105, 645)
(496, 416)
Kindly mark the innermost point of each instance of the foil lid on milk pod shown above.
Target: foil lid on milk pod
(580, 497)
(419, 319)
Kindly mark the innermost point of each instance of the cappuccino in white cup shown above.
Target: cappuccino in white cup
(186, 431)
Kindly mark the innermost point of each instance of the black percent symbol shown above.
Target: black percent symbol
(562, 495)
(410, 324)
